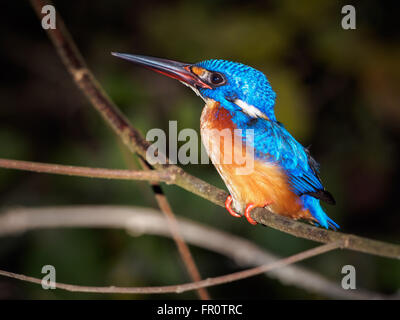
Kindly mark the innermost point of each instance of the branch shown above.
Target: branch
(159, 175)
(87, 83)
(172, 222)
(169, 176)
(209, 282)
(132, 138)
(139, 221)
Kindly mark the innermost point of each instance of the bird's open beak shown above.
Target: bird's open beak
(173, 69)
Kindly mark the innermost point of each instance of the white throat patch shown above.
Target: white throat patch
(252, 111)
(196, 91)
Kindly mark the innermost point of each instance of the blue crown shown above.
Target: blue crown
(244, 83)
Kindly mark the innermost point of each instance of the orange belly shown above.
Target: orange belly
(262, 184)
(267, 184)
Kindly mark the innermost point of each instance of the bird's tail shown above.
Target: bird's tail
(313, 205)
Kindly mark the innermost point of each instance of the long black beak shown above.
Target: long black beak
(173, 69)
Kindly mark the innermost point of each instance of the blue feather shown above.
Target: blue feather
(273, 143)
(318, 213)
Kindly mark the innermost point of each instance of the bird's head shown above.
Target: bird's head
(239, 88)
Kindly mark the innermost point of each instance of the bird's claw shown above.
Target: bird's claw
(228, 203)
(250, 207)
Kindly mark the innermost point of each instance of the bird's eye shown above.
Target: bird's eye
(217, 78)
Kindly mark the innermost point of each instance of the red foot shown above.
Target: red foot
(250, 207)
(228, 203)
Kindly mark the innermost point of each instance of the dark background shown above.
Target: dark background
(337, 90)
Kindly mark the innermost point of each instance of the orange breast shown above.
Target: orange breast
(216, 117)
(263, 182)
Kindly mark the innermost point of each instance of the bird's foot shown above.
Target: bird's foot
(228, 203)
(248, 209)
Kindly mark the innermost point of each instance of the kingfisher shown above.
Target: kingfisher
(239, 99)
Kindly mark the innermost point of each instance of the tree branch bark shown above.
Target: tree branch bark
(88, 172)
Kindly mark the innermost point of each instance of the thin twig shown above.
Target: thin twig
(159, 175)
(172, 221)
(132, 138)
(187, 286)
(137, 221)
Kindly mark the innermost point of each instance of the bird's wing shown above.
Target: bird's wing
(273, 141)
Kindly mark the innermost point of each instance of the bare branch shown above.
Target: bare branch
(187, 286)
(139, 221)
(132, 138)
(172, 222)
(159, 175)
(149, 175)
(86, 82)
(169, 176)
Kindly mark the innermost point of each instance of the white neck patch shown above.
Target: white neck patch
(252, 111)
(196, 91)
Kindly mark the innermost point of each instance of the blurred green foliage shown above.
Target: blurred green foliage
(337, 91)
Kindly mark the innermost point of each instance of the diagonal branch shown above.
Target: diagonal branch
(172, 222)
(169, 176)
(74, 62)
(187, 286)
(132, 138)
